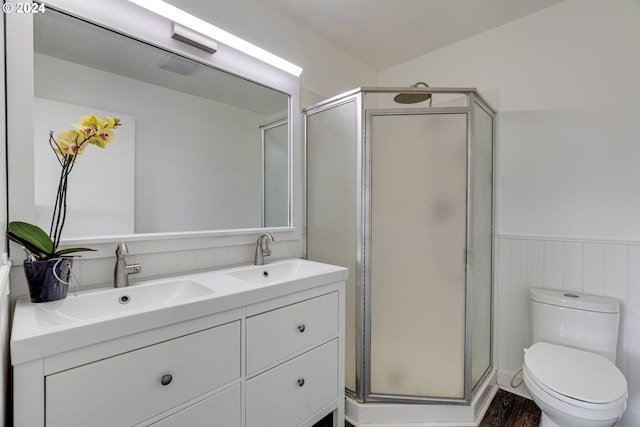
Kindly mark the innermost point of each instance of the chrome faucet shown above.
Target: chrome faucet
(122, 270)
(262, 248)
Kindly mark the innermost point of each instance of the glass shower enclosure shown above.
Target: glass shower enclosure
(402, 195)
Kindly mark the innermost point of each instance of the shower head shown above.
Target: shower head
(412, 97)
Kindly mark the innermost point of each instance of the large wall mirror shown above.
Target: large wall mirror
(199, 149)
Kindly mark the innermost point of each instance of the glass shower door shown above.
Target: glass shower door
(480, 270)
(332, 194)
(415, 258)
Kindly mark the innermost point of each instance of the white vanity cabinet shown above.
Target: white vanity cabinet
(221, 410)
(129, 388)
(303, 386)
(301, 341)
(276, 335)
(269, 357)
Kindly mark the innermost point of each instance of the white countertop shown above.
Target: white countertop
(43, 329)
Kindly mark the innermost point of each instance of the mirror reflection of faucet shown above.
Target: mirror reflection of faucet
(122, 269)
(262, 248)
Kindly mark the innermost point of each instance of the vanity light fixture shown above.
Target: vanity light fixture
(198, 25)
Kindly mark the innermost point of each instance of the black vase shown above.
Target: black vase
(44, 286)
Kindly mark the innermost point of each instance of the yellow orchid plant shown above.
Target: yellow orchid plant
(67, 146)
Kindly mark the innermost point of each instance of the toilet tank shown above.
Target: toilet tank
(586, 322)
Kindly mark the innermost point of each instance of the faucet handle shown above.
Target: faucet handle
(133, 268)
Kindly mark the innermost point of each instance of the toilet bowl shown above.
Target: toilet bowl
(574, 388)
(570, 369)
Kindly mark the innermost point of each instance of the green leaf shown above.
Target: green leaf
(72, 250)
(31, 236)
(28, 246)
(36, 241)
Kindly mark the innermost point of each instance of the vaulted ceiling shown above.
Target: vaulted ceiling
(384, 33)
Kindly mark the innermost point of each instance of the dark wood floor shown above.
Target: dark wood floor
(506, 410)
(326, 422)
(509, 410)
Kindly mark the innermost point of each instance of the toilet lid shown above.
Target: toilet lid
(578, 374)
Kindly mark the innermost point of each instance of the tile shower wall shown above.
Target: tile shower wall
(610, 268)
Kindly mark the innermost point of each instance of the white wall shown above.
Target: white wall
(579, 54)
(3, 153)
(566, 83)
(4, 282)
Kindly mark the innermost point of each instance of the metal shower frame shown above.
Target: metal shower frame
(363, 230)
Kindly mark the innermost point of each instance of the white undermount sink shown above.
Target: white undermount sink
(264, 274)
(110, 302)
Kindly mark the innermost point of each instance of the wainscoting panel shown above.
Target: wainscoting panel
(5, 331)
(600, 267)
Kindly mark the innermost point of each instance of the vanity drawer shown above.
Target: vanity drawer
(127, 389)
(275, 335)
(303, 386)
(221, 410)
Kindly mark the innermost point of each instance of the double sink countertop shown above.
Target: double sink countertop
(94, 316)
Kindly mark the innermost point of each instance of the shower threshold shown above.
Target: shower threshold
(427, 415)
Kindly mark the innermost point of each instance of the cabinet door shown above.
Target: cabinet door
(290, 393)
(276, 335)
(129, 388)
(221, 410)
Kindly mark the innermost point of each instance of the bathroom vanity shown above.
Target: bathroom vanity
(250, 346)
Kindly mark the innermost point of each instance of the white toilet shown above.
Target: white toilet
(570, 370)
